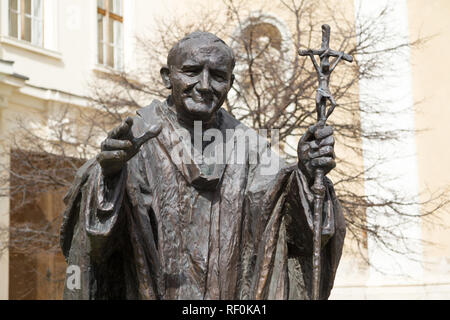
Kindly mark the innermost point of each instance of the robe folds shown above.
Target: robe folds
(167, 228)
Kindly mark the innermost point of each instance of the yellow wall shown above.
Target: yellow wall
(431, 91)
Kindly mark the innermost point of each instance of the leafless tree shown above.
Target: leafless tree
(274, 89)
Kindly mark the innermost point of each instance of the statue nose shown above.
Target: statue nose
(204, 83)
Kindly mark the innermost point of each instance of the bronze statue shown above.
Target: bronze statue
(153, 217)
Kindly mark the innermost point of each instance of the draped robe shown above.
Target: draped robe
(170, 229)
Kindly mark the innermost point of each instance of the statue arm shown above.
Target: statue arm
(91, 218)
(100, 191)
(316, 66)
(105, 216)
(91, 230)
(300, 205)
(336, 61)
(269, 179)
(282, 204)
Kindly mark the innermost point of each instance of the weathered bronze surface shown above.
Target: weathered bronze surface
(153, 218)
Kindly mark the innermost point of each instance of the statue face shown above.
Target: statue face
(200, 77)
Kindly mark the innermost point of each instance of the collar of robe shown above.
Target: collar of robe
(202, 169)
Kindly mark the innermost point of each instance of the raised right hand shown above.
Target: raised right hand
(120, 146)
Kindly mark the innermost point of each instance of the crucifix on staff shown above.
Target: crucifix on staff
(322, 95)
(324, 71)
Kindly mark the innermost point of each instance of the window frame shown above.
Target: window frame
(108, 50)
(21, 17)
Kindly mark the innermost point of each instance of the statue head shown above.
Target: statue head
(199, 72)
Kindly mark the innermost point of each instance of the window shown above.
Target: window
(25, 21)
(261, 49)
(110, 33)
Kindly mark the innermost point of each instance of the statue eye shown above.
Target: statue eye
(219, 76)
(191, 71)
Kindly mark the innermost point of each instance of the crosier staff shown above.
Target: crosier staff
(322, 95)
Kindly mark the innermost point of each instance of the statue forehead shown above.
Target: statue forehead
(199, 48)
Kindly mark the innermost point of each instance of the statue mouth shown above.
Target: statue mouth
(202, 99)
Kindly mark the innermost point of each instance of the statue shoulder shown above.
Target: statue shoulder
(149, 112)
(146, 117)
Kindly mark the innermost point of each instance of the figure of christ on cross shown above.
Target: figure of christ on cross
(324, 71)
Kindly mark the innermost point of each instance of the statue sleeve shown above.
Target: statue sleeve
(283, 209)
(95, 203)
(299, 210)
(299, 231)
(91, 229)
(107, 231)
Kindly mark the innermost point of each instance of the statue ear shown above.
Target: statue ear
(165, 76)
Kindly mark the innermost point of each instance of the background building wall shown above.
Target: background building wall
(431, 83)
